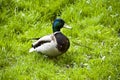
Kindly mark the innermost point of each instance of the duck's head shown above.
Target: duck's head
(58, 24)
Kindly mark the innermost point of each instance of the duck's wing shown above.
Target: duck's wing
(42, 40)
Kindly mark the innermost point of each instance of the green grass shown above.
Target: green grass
(94, 53)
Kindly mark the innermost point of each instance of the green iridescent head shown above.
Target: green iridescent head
(58, 24)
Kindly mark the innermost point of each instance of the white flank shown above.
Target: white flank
(48, 49)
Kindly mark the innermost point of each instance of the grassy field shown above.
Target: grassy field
(94, 53)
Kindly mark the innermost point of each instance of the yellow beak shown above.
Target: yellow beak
(66, 26)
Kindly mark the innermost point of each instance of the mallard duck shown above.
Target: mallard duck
(54, 44)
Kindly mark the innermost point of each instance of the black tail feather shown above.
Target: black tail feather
(35, 38)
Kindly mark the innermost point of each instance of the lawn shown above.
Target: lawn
(94, 53)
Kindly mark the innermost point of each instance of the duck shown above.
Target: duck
(53, 44)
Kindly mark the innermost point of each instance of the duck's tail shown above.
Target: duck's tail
(31, 50)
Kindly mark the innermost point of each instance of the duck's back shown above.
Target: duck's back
(62, 42)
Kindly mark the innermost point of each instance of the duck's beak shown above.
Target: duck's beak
(66, 26)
